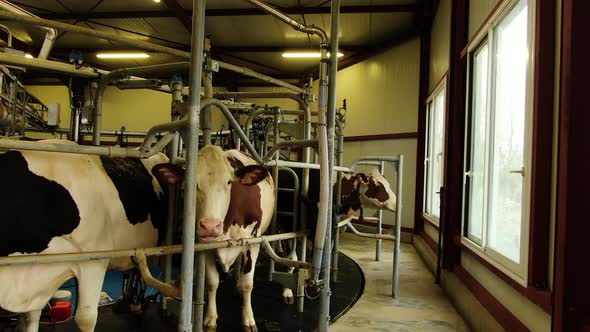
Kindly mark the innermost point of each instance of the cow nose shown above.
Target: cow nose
(210, 229)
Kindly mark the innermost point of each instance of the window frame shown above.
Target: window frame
(441, 87)
(486, 36)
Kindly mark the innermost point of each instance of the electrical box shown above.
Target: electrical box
(53, 114)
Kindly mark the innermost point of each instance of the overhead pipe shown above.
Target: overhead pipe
(50, 36)
(66, 68)
(4, 15)
(60, 67)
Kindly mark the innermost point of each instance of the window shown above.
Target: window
(496, 152)
(434, 157)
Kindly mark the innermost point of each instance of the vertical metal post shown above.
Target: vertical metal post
(336, 235)
(324, 319)
(169, 239)
(190, 191)
(12, 107)
(379, 222)
(76, 125)
(398, 227)
(172, 153)
(206, 113)
(275, 177)
(303, 208)
(176, 88)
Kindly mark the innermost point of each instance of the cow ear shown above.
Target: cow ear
(362, 178)
(251, 174)
(168, 174)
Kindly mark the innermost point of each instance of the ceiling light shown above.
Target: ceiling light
(156, 0)
(122, 55)
(305, 54)
(28, 56)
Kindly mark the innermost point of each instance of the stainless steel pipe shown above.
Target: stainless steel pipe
(185, 322)
(284, 144)
(4, 15)
(122, 253)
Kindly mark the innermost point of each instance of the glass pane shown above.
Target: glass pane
(428, 164)
(438, 121)
(508, 134)
(479, 115)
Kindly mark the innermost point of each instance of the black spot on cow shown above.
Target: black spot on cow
(33, 209)
(247, 262)
(136, 191)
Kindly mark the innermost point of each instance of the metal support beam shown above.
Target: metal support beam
(363, 9)
(181, 14)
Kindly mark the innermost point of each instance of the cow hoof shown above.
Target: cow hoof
(209, 328)
(288, 296)
(250, 328)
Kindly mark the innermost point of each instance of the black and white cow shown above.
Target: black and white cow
(60, 203)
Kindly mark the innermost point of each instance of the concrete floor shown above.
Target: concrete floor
(422, 305)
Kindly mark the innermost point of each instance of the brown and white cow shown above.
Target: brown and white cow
(358, 192)
(232, 209)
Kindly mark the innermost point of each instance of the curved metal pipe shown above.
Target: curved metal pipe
(9, 33)
(49, 36)
(121, 74)
(297, 25)
(283, 144)
(235, 125)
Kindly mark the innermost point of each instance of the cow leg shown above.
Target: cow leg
(246, 286)
(29, 322)
(212, 279)
(90, 279)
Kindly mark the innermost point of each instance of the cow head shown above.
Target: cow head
(375, 192)
(217, 172)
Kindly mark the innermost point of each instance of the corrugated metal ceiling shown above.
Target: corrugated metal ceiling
(241, 35)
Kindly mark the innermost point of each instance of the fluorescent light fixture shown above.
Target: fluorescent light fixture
(122, 55)
(156, 0)
(28, 56)
(305, 55)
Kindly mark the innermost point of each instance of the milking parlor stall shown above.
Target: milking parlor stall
(173, 166)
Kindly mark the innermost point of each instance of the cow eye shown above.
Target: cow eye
(229, 182)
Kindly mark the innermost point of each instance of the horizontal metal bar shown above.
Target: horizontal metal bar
(155, 251)
(287, 190)
(213, 12)
(285, 213)
(285, 144)
(389, 159)
(367, 235)
(108, 151)
(294, 164)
